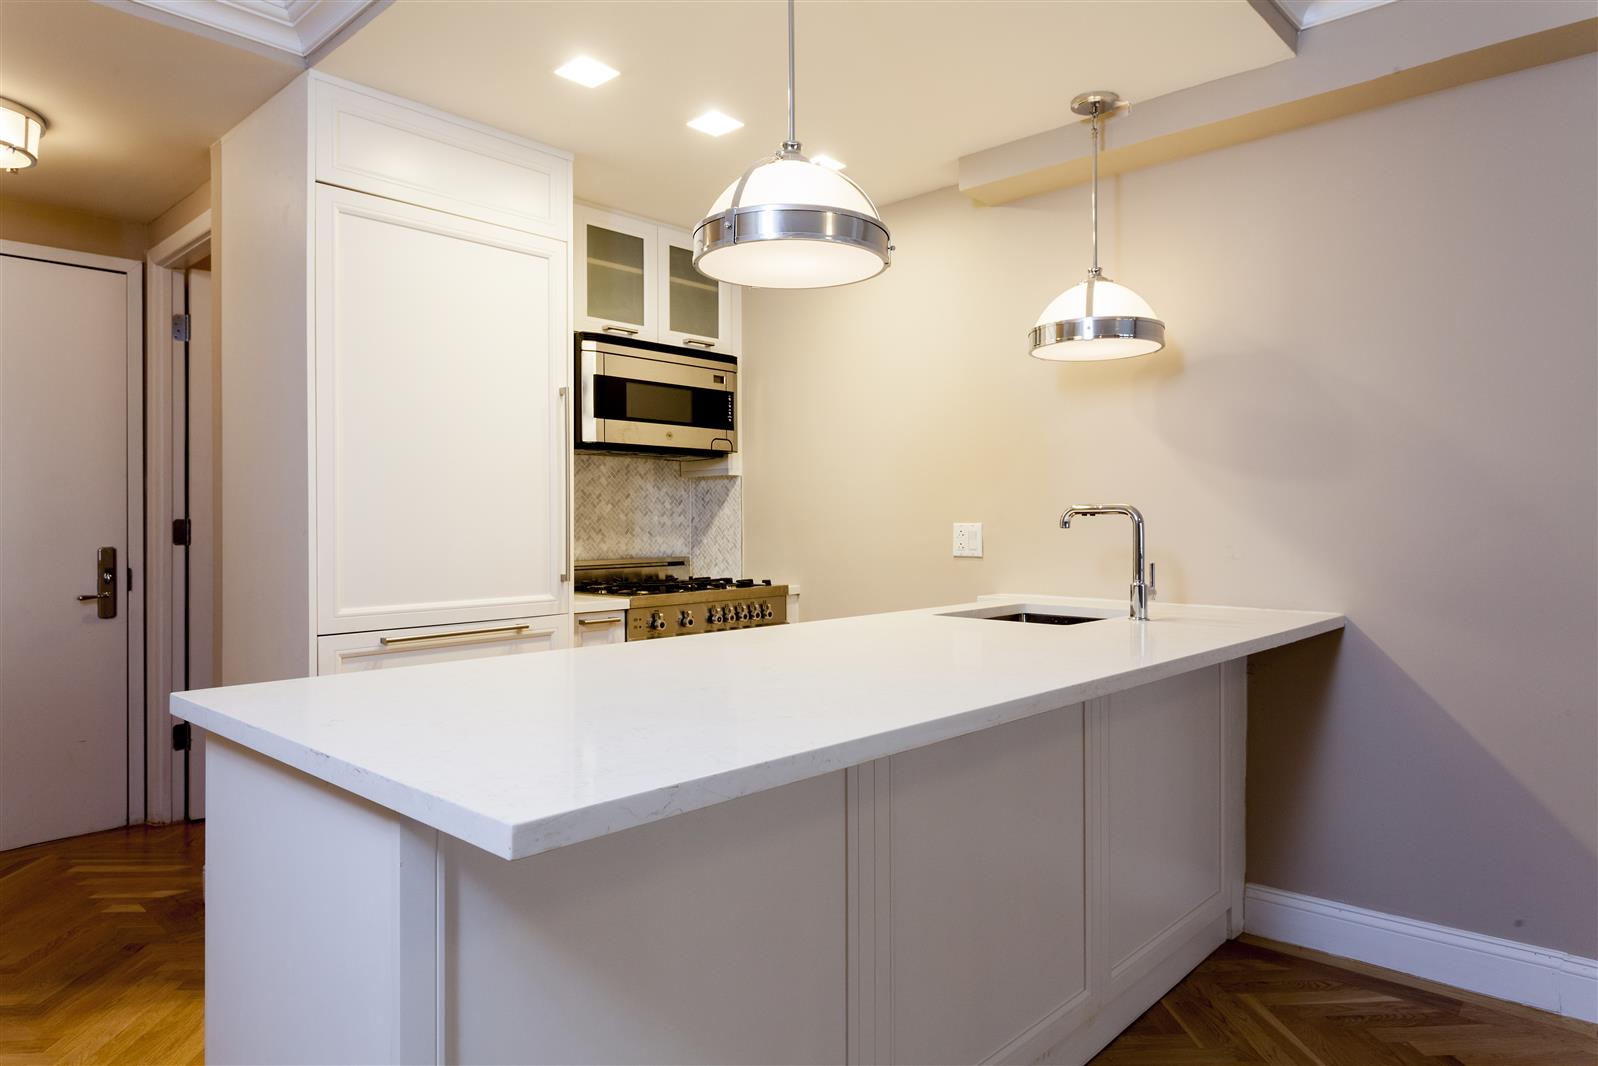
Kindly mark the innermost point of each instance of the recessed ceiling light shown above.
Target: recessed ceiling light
(827, 161)
(586, 71)
(715, 123)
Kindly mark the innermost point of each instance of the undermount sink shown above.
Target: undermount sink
(1038, 618)
(1014, 612)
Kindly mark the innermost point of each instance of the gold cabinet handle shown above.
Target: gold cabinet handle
(428, 638)
(598, 621)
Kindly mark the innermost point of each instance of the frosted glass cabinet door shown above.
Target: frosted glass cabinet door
(440, 476)
(696, 311)
(615, 266)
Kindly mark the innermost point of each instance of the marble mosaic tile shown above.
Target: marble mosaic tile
(632, 507)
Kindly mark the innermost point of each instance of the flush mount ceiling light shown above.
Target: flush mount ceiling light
(587, 72)
(715, 123)
(790, 222)
(1096, 319)
(21, 129)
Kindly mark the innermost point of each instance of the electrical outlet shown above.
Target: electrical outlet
(968, 540)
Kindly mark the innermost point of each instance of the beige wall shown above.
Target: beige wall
(180, 214)
(62, 227)
(1379, 398)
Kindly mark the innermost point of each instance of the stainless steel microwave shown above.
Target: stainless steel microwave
(639, 396)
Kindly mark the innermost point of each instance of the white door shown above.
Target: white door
(64, 714)
(441, 349)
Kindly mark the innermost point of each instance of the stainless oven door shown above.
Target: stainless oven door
(637, 399)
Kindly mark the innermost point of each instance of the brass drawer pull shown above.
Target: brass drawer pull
(427, 638)
(599, 621)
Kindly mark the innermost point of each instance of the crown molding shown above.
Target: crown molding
(1307, 13)
(278, 28)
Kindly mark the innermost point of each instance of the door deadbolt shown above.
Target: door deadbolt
(105, 600)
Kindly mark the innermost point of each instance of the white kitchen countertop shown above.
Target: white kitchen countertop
(520, 754)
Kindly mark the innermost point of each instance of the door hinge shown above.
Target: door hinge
(181, 736)
(182, 532)
(180, 327)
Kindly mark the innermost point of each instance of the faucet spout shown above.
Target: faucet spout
(1141, 590)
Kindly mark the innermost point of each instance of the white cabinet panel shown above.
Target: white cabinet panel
(614, 284)
(603, 627)
(1163, 818)
(695, 311)
(987, 887)
(380, 144)
(440, 350)
(348, 653)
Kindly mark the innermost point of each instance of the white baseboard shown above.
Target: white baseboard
(1521, 973)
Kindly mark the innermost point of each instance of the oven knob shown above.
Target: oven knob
(766, 611)
(743, 612)
(712, 615)
(657, 620)
(686, 619)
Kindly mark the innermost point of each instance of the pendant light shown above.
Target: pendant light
(20, 132)
(1096, 319)
(791, 223)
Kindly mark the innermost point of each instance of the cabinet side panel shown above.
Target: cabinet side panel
(1164, 827)
(986, 894)
(265, 371)
(713, 936)
(303, 917)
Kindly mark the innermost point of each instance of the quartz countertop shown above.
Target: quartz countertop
(521, 754)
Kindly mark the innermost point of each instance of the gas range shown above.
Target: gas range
(664, 601)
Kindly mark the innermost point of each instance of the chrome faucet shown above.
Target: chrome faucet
(1141, 593)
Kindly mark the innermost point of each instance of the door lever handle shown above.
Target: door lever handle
(92, 596)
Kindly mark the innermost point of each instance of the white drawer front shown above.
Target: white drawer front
(600, 627)
(347, 653)
(378, 144)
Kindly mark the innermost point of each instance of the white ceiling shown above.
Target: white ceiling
(132, 105)
(898, 91)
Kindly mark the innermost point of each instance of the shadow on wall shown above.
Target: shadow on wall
(1318, 704)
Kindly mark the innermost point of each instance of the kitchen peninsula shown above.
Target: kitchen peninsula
(925, 836)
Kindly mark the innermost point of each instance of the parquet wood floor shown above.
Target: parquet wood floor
(1254, 1002)
(102, 953)
(102, 948)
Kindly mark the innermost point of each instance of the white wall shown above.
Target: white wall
(1379, 398)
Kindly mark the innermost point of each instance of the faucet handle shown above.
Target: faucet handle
(1153, 591)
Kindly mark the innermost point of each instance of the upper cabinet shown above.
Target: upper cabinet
(615, 285)
(635, 278)
(695, 311)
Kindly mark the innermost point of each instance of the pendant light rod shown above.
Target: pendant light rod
(792, 144)
(1094, 270)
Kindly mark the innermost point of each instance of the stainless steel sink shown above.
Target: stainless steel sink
(1038, 618)
(1027, 612)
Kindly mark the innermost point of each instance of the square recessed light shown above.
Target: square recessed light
(586, 71)
(715, 123)
(827, 161)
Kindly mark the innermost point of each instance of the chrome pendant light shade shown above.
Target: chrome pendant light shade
(1096, 319)
(789, 223)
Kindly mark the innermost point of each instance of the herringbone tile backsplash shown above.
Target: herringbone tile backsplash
(628, 507)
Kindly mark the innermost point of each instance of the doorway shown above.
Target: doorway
(183, 391)
(71, 544)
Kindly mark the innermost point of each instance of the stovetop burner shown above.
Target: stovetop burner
(665, 585)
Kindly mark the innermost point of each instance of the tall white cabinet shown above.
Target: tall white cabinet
(395, 340)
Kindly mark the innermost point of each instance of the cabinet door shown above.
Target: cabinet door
(695, 310)
(440, 349)
(605, 627)
(615, 282)
(348, 653)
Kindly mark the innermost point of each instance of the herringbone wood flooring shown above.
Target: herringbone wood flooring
(1250, 1003)
(102, 950)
